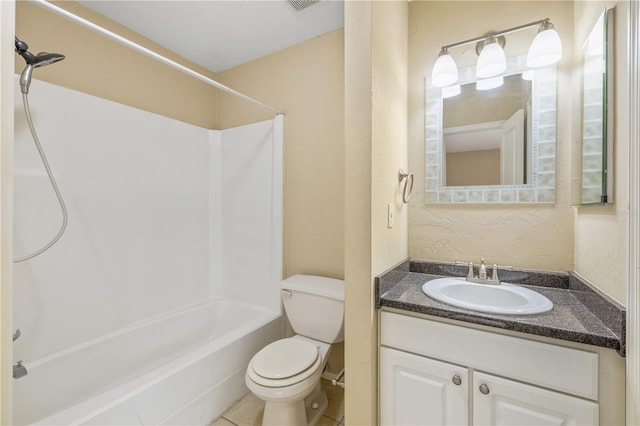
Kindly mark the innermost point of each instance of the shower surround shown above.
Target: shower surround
(149, 288)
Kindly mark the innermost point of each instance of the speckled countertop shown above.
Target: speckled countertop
(580, 312)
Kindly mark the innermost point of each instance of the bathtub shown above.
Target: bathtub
(184, 367)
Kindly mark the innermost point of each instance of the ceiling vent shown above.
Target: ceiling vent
(298, 5)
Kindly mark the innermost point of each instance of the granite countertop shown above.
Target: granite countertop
(580, 312)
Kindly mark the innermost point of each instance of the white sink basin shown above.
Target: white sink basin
(508, 299)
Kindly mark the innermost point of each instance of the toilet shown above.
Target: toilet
(286, 373)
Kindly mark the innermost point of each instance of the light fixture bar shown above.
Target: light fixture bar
(546, 49)
(497, 33)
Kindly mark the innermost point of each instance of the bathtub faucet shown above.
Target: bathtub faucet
(19, 370)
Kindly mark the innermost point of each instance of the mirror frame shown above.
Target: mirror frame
(599, 185)
(543, 145)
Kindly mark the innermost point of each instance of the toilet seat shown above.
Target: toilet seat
(284, 362)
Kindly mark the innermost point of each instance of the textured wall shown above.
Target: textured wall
(376, 116)
(529, 236)
(360, 318)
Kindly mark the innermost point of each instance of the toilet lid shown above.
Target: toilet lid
(284, 358)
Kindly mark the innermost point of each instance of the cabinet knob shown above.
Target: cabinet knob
(484, 389)
(456, 380)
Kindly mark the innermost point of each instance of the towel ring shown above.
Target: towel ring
(406, 195)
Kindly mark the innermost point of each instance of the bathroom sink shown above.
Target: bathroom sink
(503, 298)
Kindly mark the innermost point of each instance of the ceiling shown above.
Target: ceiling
(222, 34)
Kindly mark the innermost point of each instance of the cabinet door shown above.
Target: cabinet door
(498, 401)
(420, 391)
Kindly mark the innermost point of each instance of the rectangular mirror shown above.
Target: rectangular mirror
(489, 146)
(597, 109)
(494, 145)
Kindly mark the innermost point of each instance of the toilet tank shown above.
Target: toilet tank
(315, 306)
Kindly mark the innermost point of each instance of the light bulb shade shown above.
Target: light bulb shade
(450, 91)
(546, 48)
(492, 60)
(445, 70)
(489, 83)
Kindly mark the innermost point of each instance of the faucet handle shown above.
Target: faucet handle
(494, 274)
(470, 271)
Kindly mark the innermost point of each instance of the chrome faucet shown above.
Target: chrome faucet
(19, 370)
(482, 274)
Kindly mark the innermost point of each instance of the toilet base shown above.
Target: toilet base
(296, 413)
(318, 399)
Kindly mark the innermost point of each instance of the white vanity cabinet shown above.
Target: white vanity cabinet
(498, 401)
(435, 373)
(415, 390)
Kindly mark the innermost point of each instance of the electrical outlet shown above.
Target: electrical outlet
(390, 215)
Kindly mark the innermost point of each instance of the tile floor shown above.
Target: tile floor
(248, 410)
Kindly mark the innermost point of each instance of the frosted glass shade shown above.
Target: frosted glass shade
(445, 71)
(489, 83)
(450, 91)
(546, 49)
(492, 61)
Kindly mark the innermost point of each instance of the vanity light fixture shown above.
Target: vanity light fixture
(445, 70)
(546, 49)
(492, 60)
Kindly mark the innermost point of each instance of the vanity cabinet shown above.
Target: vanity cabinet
(434, 373)
(417, 390)
(498, 401)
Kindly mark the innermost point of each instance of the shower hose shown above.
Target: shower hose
(43, 157)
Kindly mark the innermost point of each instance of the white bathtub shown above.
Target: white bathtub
(185, 367)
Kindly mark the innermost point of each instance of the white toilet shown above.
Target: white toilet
(286, 373)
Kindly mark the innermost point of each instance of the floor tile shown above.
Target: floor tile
(326, 421)
(222, 422)
(246, 412)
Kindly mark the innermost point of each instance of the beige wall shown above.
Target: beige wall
(101, 67)
(389, 133)
(528, 236)
(306, 81)
(360, 318)
(601, 251)
(375, 129)
(473, 168)
(7, 12)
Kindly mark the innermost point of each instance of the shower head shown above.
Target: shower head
(33, 61)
